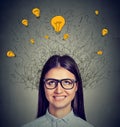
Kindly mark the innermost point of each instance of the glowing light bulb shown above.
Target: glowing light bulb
(32, 41)
(46, 37)
(36, 12)
(10, 53)
(65, 36)
(96, 12)
(25, 22)
(104, 32)
(57, 23)
(100, 52)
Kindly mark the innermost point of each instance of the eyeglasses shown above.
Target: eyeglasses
(65, 83)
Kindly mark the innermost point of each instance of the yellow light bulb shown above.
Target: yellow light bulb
(96, 12)
(65, 36)
(32, 41)
(100, 52)
(46, 37)
(25, 22)
(10, 54)
(57, 23)
(36, 12)
(104, 32)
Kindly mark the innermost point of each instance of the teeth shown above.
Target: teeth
(59, 98)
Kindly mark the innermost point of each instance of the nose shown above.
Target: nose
(59, 88)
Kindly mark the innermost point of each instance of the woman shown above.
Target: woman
(60, 101)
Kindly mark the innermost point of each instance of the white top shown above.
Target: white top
(48, 120)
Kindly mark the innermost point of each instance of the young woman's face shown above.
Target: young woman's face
(59, 97)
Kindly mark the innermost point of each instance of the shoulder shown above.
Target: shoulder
(80, 122)
(75, 121)
(39, 122)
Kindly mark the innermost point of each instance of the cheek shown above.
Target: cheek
(48, 93)
(73, 92)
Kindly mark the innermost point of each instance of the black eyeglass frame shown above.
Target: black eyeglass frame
(60, 81)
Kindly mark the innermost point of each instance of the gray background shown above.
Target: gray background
(19, 76)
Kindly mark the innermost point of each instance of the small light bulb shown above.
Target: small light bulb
(32, 41)
(25, 22)
(65, 36)
(96, 12)
(104, 32)
(10, 53)
(100, 52)
(36, 12)
(46, 37)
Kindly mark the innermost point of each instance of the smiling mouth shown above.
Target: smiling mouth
(58, 98)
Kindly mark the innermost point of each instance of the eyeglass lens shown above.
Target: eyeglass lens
(65, 83)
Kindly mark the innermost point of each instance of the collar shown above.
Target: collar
(66, 118)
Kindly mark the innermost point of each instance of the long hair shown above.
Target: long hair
(69, 64)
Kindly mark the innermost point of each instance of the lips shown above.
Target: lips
(58, 98)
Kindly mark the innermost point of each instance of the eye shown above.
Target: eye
(51, 82)
(67, 82)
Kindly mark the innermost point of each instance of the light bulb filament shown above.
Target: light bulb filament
(57, 26)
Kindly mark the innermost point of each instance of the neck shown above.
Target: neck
(59, 113)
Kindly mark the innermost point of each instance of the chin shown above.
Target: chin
(61, 106)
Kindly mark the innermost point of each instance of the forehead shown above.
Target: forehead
(59, 73)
